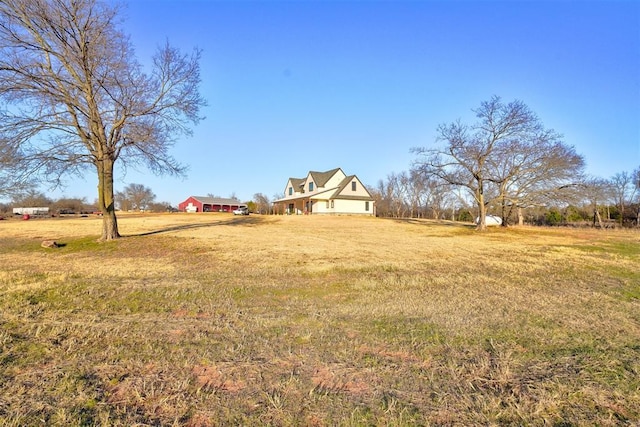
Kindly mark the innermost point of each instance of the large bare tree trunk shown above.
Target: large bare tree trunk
(596, 217)
(106, 201)
(520, 217)
(482, 210)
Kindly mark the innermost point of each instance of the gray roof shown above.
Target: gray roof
(321, 178)
(346, 182)
(218, 201)
(296, 182)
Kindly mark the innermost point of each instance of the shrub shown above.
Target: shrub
(553, 217)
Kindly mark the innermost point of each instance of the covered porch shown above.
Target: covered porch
(293, 206)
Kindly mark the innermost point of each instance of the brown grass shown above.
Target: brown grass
(206, 320)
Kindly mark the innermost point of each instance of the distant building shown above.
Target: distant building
(209, 204)
(40, 211)
(331, 192)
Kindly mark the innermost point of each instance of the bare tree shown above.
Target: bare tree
(623, 189)
(395, 192)
(382, 198)
(417, 193)
(429, 194)
(538, 171)
(402, 195)
(137, 196)
(70, 205)
(441, 199)
(121, 201)
(635, 195)
(14, 177)
(263, 205)
(78, 98)
(33, 198)
(278, 209)
(595, 192)
(160, 207)
(469, 156)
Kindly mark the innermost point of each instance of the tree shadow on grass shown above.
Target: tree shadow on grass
(440, 222)
(242, 221)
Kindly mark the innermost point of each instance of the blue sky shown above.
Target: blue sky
(313, 85)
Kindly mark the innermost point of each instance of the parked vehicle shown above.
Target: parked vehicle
(241, 211)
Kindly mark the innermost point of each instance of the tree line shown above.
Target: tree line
(509, 165)
(596, 202)
(74, 97)
(133, 197)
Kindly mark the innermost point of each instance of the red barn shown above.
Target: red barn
(209, 204)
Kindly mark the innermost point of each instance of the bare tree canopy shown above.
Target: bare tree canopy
(635, 195)
(623, 190)
(535, 172)
(72, 95)
(262, 202)
(507, 156)
(135, 197)
(596, 191)
(32, 197)
(13, 177)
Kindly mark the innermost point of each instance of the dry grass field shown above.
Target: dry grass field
(210, 319)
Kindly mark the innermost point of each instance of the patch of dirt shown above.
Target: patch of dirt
(211, 378)
(341, 380)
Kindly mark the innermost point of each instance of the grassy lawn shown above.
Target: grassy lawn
(209, 319)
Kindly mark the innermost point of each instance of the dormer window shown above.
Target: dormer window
(353, 186)
(290, 191)
(310, 186)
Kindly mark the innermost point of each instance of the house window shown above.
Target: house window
(353, 186)
(310, 186)
(332, 204)
(290, 191)
(327, 204)
(366, 206)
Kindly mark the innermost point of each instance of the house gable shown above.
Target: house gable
(351, 187)
(294, 187)
(319, 181)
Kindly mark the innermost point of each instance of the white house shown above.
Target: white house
(331, 192)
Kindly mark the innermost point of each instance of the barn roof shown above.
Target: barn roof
(217, 200)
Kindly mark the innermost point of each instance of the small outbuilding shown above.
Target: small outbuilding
(39, 211)
(210, 204)
(490, 220)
